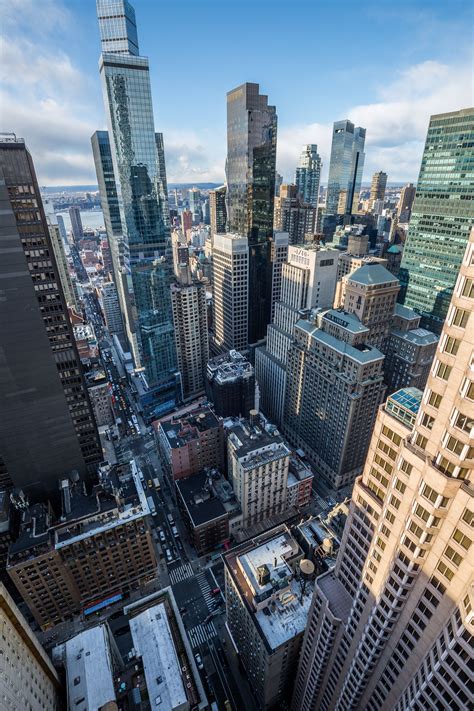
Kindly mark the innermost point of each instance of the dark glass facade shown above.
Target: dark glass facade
(250, 170)
(47, 427)
(442, 216)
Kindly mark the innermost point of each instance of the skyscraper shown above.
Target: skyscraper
(442, 215)
(109, 201)
(390, 627)
(139, 172)
(345, 168)
(230, 291)
(218, 211)
(195, 205)
(47, 427)
(405, 204)
(250, 170)
(377, 188)
(76, 223)
(334, 384)
(308, 281)
(293, 215)
(308, 175)
(59, 254)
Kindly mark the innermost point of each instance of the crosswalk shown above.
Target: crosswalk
(205, 589)
(183, 572)
(201, 634)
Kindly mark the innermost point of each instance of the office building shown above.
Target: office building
(139, 173)
(334, 384)
(111, 309)
(209, 509)
(268, 597)
(100, 548)
(250, 171)
(62, 230)
(186, 222)
(230, 384)
(109, 200)
(393, 256)
(405, 204)
(76, 224)
(370, 293)
(191, 443)
(257, 463)
(188, 300)
(206, 212)
(294, 216)
(158, 665)
(308, 175)
(409, 351)
(402, 586)
(279, 255)
(278, 183)
(28, 679)
(194, 199)
(308, 282)
(345, 171)
(59, 254)
(99, 390)
(442, 216)
(218, 210)
(230, 291)
(377, 191)
(47, 426)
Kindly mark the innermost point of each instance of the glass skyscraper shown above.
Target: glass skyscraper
(442, 215)
(308, 174)
(138, 161)
(345, 168)
(250, 170)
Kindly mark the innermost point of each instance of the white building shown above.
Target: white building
(230, 291)
(111, 308)
(308, 282)
(258, 464)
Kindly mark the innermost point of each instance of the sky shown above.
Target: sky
(386, 66)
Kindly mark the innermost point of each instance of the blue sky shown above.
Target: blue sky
(385, 65)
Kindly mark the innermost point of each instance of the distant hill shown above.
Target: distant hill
(187, 186)
(94, 188)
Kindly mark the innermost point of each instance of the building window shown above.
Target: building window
(451, 345)
(443, 370)
(460, 318)
(434, 399)
(468, 288)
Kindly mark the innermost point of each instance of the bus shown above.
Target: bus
(151, 505)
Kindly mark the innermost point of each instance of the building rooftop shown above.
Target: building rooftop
(406, 313)
(348, 321)
(118, 498)
(362, 354)
(371, 275)
(207, 496)
(264, 572)
(89, 669)
(229, 367)
(417, 336)
(153, 642)
(256, 444)
(404, 405)
(180, 431)
(340, 602)
(298, 469)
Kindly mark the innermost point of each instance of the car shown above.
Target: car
(170, 519)
(162, 537)
(215, 591)
(168, 554)
(199, 663)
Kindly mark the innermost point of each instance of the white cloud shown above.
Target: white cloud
(56, 107)
(396, 124)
